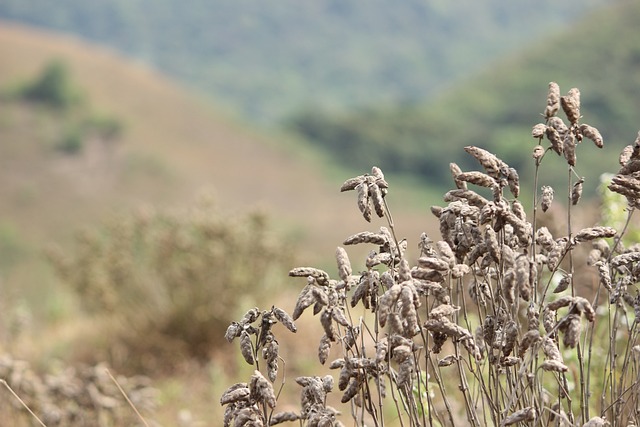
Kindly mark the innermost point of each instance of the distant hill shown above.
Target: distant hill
(267, 59)
(497, 108)
(174, 148)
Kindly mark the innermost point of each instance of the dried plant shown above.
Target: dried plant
(492, 323)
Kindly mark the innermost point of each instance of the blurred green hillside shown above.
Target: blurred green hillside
(497, 108)
(267, 59)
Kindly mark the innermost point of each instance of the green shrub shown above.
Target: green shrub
(173, 281)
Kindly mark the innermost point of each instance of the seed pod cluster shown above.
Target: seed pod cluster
(371, 190)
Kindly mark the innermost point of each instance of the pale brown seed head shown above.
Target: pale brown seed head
(576, 192)
(538, 153)
(455, 171)
(553, 100)
(547, 197)
(555, 139)
(539, 130)
(571, 105)
(592, 133)
(552, 365)
(569, 145)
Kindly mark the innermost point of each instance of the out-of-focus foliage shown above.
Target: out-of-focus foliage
(594, 55)
(172, 281)
(267, 58)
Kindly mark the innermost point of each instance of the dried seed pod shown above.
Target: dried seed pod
(569, 144)
(305, 300)
(491, 242)
(443, 310)
(513, 180)
(555, 139)
(352, 183)
(523, 271)
(233, 331)
(364, 204)
(427, 274)
(455, 171)
(584, 306)
(433, 263)
(550, 349)
(470, 196)
(625, 259)
(477, 178)
(564, 283)
(281, 417)
(549, 320)
(270, 349)
(571, 105)
(547, 198)
(351, 336)
(447, 361)
(605, 275)
(592, 133)
(446, 253)
(352, 388)
(508, 286)
(327, 324)
(557, 123)
(235, 393)
(563, 301)
(366, 237)
(344, 265)
(538, 153)
(408, 311)
(625, 155)
(570, 326)
(552, 365)
(376, 197)
(246, 348)
(510, 337)
(556, 254)
(538, 130)
(489, 161)
(338, 315)
(594, 233)
(285, 319)
(460, 270)
(322, 277)
(324, 348)
(261, 389)
(576, 191)
(528, 340)
(553, 100)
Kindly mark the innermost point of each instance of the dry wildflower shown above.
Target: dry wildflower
(548, 320)
(538, 130)
(455, 171)
(569, 144)
(352, 388)
(557, 123)
(460, 270)
(545, 239)
(447, 361)
(571, 105)
(446, 253)
(592, 133)
(553, 100)
(556, 254)
(489, 161)
(551, 365)
(326, 320)
(233, 331)
(509, 286)
(523, 415)
(443, 310)
(491, 242)
(555, 139)
(547, 198)
(584, 306)
(564, 283)
(576, 191)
